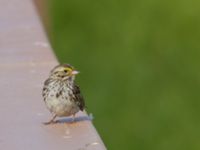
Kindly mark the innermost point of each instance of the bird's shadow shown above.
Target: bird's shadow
(76, 119)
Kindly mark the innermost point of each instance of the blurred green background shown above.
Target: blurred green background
(139, 62)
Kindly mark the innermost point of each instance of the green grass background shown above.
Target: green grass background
(140, 68)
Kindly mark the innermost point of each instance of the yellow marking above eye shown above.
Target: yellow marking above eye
(67, 70)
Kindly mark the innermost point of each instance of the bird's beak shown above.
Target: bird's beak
(74, 72)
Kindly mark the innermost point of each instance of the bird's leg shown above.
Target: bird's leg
(51, 121)
(73, 117)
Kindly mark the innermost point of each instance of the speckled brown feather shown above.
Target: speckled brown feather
(61, 95)
(78, 98)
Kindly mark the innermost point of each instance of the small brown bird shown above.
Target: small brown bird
(61, 95)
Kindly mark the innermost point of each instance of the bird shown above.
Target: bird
(61, 94)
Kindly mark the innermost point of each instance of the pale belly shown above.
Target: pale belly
(61, 107)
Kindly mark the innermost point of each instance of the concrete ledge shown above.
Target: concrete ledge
(25, 60)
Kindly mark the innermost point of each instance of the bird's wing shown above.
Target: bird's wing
(78, 97)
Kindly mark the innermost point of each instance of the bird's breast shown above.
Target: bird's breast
(59, 100)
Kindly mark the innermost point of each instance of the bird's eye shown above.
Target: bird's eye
(65, 71)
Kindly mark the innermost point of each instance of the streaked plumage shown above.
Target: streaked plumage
(61, 95)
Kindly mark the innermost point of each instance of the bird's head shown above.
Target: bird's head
(64, 72)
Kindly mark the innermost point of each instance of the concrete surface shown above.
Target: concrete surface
(25, 61)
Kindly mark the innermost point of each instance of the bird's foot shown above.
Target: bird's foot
(50, 122)
(73, 118)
